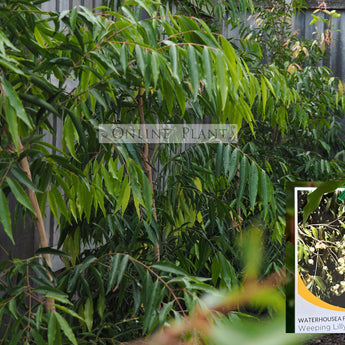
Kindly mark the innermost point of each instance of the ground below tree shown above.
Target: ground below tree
(328, 339)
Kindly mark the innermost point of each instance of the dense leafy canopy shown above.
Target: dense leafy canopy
(146, 230)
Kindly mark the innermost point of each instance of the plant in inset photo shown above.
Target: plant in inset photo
(321, 246)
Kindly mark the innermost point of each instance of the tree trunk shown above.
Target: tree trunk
(24, 165)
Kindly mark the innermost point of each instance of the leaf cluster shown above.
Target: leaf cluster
(144, 231)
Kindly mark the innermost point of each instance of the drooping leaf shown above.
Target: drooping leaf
(12, 122)
(123, 58)
(227, 155)
(66, 328)
(69, 311)
(193, 70)
(5, 216)
(53, 205)
(233, 168)
(151, 233)
(141, 59)
(122, 196)
(150, 315)
(175, 63)
(315, 197)
(264, 189)
(244, 170)
(222, 80)
(51, 251)
(73, 17)
(122, 269)
(88, 313)
(37, 337)
(170, 268)
(86, 263)
(35, 100)
(60, 202)
(19, 194)
(208, 70)
(15, 102)
(180, 98)
(21, 176)
(264, 95)
(101, 304)
(115, 260)
(78, 126)
(219, 159)
(52, 328)
(253, 184)
(70, 137)
(147, 194)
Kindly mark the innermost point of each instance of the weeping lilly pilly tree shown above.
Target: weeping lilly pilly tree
(143, 230)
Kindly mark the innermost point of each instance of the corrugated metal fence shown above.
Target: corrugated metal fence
(336, 60)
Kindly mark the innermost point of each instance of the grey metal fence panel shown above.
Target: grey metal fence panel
(24, 237)
(336, 49)
(337, 53)
(330, 4)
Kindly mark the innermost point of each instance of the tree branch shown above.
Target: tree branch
(146, 163)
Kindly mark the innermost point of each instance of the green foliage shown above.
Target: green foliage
(139, 250)
(321, 242)
(90, 296)
(308, 144)
(315, 197)
(87, 294)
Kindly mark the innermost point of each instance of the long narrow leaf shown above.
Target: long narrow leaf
(253, 184)
(170, 268)
(155, 68)
(264, 95)
(66, 328)
(5, 216)
(147, 191)
(140, 59)
(78, 126)
(264, 189)
(193, 70)
(175, 63)
(315, 197)
(23, 178)
(244, 170)
(208, 70)
(123, 58)
(222, 79)
(227, 155)
(60, 202)
(124, 196)
(53, 205)
(150, 314)
(15, 102)
(113, 272)
(122, 269)
(235, 156)
(12, 122)
(219, 160)
(52, 328)
(88, 313)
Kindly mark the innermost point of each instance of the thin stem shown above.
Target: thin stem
(30, 304)
(146, 163)
(162, 280)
